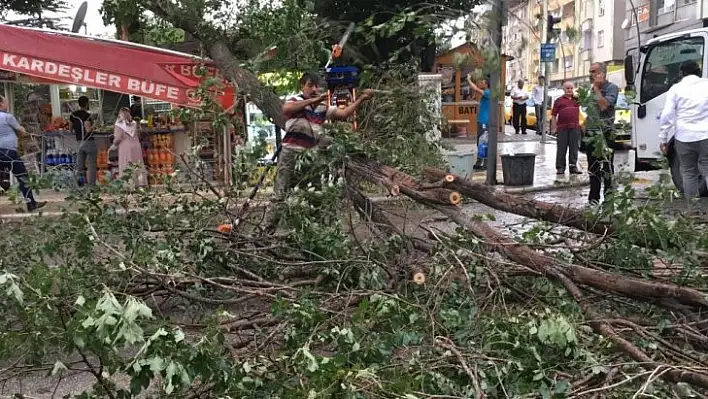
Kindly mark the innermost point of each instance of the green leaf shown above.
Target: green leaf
(179, 336)
(562, 387)
(170, 372)
(89, 322)
(16, 292)
(156, 363)
(58, 367)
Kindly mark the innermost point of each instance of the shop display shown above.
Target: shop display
(69, 97)
(107, 168)
(158, 153)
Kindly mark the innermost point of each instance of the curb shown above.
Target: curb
(557, 185)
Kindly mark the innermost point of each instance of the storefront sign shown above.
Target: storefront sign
(83, 76)
(467, 109)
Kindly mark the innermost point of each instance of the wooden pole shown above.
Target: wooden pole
(496, 95)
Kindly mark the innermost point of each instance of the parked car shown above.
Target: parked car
(530, 112)
(622, 115)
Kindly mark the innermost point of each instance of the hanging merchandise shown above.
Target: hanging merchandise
(160, 159)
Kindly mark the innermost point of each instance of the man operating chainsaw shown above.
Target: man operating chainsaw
(305, 114)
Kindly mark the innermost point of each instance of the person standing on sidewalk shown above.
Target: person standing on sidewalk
(519, 96)
(82, 125)
(305, 114)
(483, 116)
(537, 96)
(600, 121)
(685, 115)
(565, 123)
(9, 158)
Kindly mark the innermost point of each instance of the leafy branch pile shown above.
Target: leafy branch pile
(355, 297)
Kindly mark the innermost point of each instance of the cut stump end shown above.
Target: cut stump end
(224, 228)
(455, 198)
(419, 278)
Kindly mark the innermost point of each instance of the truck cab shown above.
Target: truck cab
(659, 62)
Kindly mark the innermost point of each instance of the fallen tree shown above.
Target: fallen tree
(333, 294)
(570, 276)
(554, 213)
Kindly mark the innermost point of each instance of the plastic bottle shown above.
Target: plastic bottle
(483, 145)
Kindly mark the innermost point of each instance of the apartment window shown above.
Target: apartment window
(663, 7)
(600, 39)
(568, 62)
(556, 65)
(601, 9)
(587, 40)
(588, 8)
(569, 10)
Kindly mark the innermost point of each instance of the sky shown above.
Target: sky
(93, 19)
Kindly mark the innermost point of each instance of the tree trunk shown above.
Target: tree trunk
(630, 287)
(246, 82)
(570, 276)
(520, 206)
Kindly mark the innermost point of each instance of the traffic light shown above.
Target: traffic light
(551, 31)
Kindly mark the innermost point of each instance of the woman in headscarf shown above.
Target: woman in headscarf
(127, 141)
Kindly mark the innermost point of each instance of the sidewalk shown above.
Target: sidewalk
(545, 177)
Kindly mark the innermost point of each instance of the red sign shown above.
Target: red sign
(104, 64)
(192, 75)
(82, 76)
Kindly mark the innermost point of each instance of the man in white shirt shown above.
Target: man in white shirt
(537, 96)
(685, 115)
(519, 96)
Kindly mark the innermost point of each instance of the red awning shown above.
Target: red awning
(105, 64)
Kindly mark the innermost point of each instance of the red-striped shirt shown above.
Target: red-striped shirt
(568, 111)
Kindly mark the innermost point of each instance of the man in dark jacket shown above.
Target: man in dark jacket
(82, 125)
(600, 121)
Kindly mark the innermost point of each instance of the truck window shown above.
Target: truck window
(662, 62)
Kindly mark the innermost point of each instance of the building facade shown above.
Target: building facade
(661, 17)
(591, 31)
(515, 42)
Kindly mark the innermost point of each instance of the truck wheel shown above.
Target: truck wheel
(675, 167)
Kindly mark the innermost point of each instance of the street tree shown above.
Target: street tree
(31, 7)
(32, 12)
(411, 41)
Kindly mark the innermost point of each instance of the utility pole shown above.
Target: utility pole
(544, 70)
(497, 93)
(547, 34)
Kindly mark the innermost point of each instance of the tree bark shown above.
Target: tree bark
(520, 206)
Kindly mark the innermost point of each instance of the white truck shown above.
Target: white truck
(658, 70)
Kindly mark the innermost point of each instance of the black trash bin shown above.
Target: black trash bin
(518, 169)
